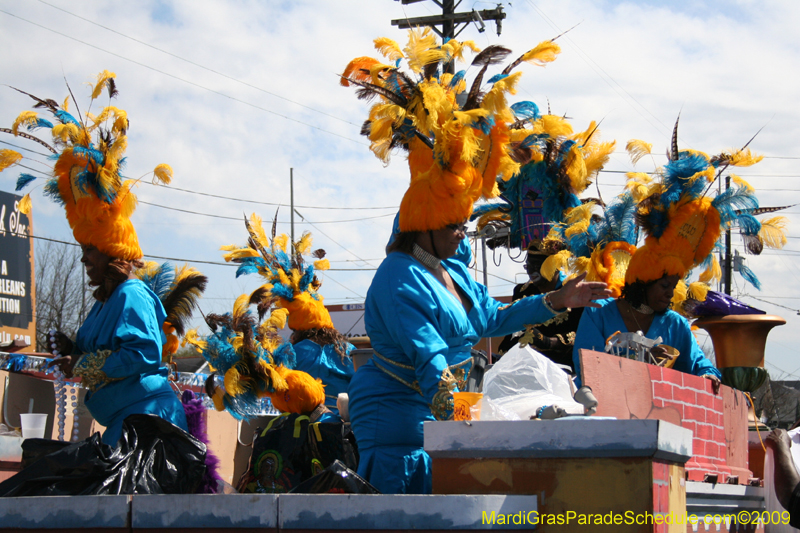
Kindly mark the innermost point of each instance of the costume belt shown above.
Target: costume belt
(414, 385)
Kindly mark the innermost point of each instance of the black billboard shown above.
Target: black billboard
(17, 302)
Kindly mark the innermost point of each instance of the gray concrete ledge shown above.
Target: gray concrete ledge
(268, 512)
(579, 437)
(65, 512)
(405, 512)
(718, 498)
(244, 511)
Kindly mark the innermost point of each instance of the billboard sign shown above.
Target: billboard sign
(17, 302)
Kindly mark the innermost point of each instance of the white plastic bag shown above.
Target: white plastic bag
(523, 381)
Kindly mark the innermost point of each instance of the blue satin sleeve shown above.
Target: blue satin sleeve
(129, 325)
(499, 319)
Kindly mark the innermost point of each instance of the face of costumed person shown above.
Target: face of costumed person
(447, 239)
(659, 293)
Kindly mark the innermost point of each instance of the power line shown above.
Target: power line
(266, 203)
(198, 64)
(240, 218)
(182, 79)
(170, 188)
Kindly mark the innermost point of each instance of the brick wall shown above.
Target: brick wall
(630, 389)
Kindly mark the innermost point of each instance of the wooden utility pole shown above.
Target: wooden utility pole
(449, 20)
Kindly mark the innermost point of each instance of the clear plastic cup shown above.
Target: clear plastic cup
(33, 425)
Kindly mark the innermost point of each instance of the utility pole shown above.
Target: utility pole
(449, 19)
(728, 258)
(291, 202)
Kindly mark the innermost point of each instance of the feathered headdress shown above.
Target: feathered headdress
(600, 245)
(86, 174)
(561, 165)
(683, 223)
(457, 138)
(292, 285)
(246, 355)
(179, 290)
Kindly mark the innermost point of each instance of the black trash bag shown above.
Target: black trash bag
(293, 449)
(336, 479)
(153, 456)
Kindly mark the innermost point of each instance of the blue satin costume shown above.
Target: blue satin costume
(418, 329)
(324, 363)
(130, 378)
(598, 324)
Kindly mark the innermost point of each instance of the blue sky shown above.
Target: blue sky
(234, 94)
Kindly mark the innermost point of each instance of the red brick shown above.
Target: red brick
(704, 432)
(655, 373)
(712, 450)
(698, 448)
(662, 389)
(694, 413)
(719, 435)
(684, 395)
(658, 402)
(714, 418)
(690, 425)
(704, 400)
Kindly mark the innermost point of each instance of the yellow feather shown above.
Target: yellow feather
(422, 49)
(554, 263)
(388, 48)
(25, 205)
(240, 305)
(741, 183)
(544, 52)
(597, 157)
(66, 132)
(236, 252)
(233, 385)
(304, 244)
(638, 149)
(8, 158)
(65, 105)
(102, 80)
(580, 265)
(322, 264)
(553, 126)
(680, 293)
(258, 229)
(577, 229)
(581, 213)
(237, 341)
(295, 276)
(698, 291)
(772, 232)
(120, 118)
(195, 340)
(712, 273)
(277, 318)
(283, 278)
(163, 173)
(25, 118)
(280, 241)
(744, 158)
